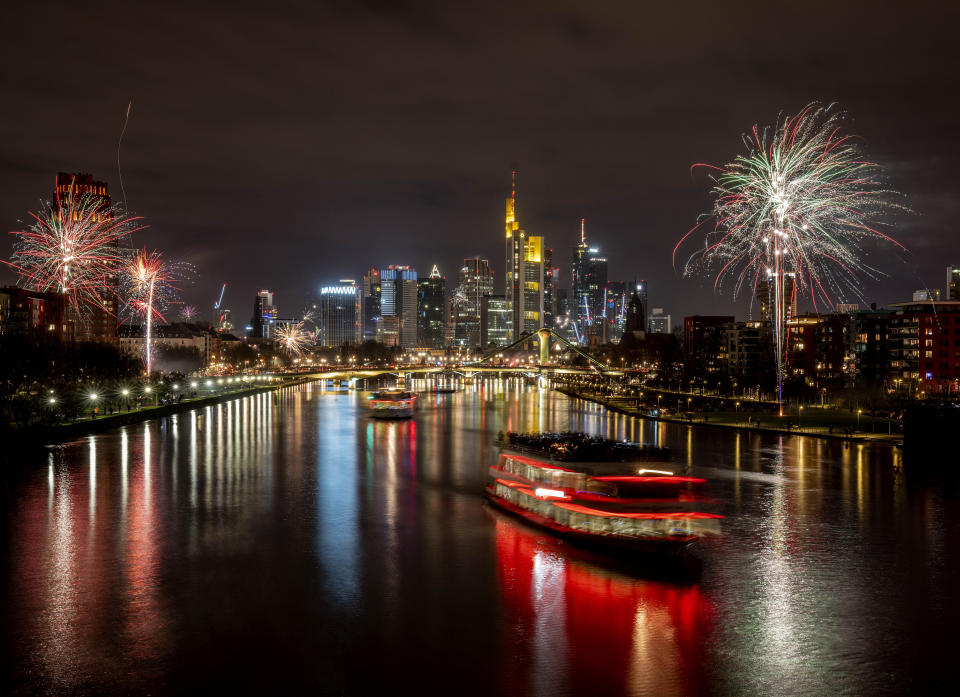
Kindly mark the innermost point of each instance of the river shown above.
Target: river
(286, 543)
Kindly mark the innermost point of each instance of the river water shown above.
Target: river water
(286, 543)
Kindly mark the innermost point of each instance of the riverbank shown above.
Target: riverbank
(60, 433)
(760, 422)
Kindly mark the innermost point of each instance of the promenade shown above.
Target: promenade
(817, 422)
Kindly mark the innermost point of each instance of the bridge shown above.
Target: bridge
(469, 369)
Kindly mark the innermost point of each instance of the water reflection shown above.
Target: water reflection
(287, 541)
(577, 628)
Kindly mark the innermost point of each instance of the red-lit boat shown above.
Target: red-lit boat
(626, 500)
(392, 404)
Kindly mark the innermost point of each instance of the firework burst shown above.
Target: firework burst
(74, 247)
(793, 213)
(150, 286)
(188, 313)
(293, 338)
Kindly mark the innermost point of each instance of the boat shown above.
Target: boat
(601, 492)
(392, 404)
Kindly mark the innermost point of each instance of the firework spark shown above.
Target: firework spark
(188, 313)
(293, 338)
(793, 213)
(74, 247)
(150, 285)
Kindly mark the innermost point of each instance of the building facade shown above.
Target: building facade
(496, 321)
(263, 321)
(924, 340)
(588, 276)
(91, 322)
(398, 306)
(431, 310)
(341, 314)
(35, 314)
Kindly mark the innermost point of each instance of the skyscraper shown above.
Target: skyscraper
(92, 323)
(398, 306)
(340, 314)
(550, 278)
(476, 281)
(264, 315)
(370, 290)
(431, 309)
(588, 277)
(524, 274)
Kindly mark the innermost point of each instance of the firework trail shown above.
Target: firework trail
(793, 214)
(293, 338)
(73, 247)
(150, 285)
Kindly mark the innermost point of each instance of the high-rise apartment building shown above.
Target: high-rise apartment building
(431, 310)
(524, 277)
(766, 293)
(341, 314)
(588, 277)
(91, 322)
(953, 283)
(658, 323)
(398, 306)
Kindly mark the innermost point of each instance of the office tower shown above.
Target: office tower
(513, 233)
(550, 279)
(370, 290)
(634, 325)
(953, 283)
(476, 281)
(264, 315)
(431, 310)
(588, 277)
(92, 322)
(642, 292)
(525, 271)
(496, 321)
(341, 314)
(398, 306)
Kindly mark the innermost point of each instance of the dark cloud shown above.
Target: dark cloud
(288, 144)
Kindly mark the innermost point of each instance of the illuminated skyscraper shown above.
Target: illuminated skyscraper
(588, 277)
(476, 281)
(370, 290)
(340, 314)
(264, 315)
(431, 310)
(398, 306)
(524, 274)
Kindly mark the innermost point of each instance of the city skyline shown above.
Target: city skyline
(294, 196)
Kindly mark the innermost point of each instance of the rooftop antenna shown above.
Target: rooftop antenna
(583, 222)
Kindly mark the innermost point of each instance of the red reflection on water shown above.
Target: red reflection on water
(577, 628)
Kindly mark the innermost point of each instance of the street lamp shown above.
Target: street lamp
(93, 404)
(799, 417)
(859, 411)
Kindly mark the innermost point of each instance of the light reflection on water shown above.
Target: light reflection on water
(286, 542)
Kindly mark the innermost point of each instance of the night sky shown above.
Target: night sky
(287, 145)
